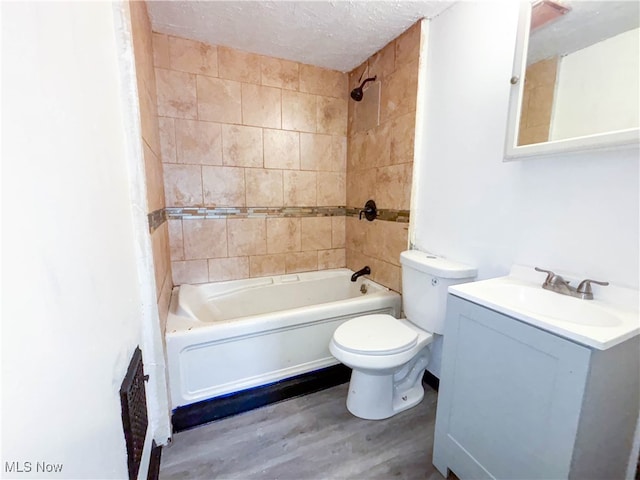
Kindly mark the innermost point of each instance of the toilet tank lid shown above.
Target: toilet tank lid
(436, 266)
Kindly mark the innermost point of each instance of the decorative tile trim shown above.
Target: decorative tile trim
(186, 213)
(253, 212)
(400, 216)
(156, 219)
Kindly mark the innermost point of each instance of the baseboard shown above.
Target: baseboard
(206, 411)
(431, 380)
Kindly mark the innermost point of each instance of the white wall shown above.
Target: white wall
(576, 213)
(72, 302)
(598, 88)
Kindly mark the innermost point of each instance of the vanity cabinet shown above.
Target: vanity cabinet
(516, 401)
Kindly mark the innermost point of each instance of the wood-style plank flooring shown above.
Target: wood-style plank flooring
(307, 438)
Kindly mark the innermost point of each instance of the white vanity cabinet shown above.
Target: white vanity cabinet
(516, 401)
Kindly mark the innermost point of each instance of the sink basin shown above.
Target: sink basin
(554, 305)
(611, 318)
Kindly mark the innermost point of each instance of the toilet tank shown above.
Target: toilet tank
(425, 280)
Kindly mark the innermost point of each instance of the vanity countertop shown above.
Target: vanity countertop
(611, 318)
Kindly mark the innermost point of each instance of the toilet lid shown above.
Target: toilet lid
(375, 335)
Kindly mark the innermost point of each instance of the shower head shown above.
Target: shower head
(357, 94)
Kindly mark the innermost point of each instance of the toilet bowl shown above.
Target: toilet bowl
(388, 356)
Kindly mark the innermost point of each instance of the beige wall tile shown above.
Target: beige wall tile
(386, 274)
(335, 258)
(223, 186)
(246, 236)
(160, 252)
(219, 100)
(198, 142)
(338, 232)
(389, 240)
(266, 265)
(224, 269)
(408, 46)
(355, 237)
(322, 81)
(382, 63)
(301, 262)
(402, 138)
(332, 115)
(283, 235)
(193, 57)
(190, 271)
(357, 260)
(315, 233)
(331, 189)
(279, 73)
(261, 106)
(357, 75)
(361, 186)
(149, 115)
(316, 152)
(182, 185)
(377, 146)
(281, 149)
(206, 238)
(339, 154)
(264, 188)
(237, 65)
(161, 50)
(176, 243)
(299, 188)
(299, 111)
(164, 299)
(167, 139)
(154, 179)
(321, 152)
(399, 92)
(242, 146)
(393, 186)
(176, 93)
(356, 152)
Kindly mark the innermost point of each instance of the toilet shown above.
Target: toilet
(388, 356)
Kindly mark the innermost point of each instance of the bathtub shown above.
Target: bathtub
(230, 336)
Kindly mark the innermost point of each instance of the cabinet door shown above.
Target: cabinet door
(510, 397)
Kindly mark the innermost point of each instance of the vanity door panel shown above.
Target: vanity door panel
(510, 397)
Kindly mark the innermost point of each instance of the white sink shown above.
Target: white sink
(559, 307)
(609, 319)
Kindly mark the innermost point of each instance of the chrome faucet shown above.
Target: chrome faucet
(557, 284)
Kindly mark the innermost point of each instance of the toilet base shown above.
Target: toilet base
(380, 394)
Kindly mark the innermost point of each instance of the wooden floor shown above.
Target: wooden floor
(305, 438)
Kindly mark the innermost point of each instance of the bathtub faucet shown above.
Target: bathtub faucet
(359, 273)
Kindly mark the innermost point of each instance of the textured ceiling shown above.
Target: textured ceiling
(587, 22)
(338, 35)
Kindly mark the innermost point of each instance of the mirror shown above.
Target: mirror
(576, 78)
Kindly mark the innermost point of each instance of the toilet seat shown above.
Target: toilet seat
(377, 334)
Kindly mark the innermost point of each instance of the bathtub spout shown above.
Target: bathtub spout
(359, 273)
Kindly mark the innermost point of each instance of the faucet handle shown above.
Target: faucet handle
(585, 287)
(549, 273)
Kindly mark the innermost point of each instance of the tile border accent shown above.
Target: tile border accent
(156, 219)
(400, 216)
(253, 212)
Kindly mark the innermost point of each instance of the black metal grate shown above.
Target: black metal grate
(134, 412)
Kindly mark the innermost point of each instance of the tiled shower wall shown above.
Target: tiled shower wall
(537, 101)
(380, 158)
(258, 144)
(143, 53)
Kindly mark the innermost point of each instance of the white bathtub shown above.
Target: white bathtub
(229, 336)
